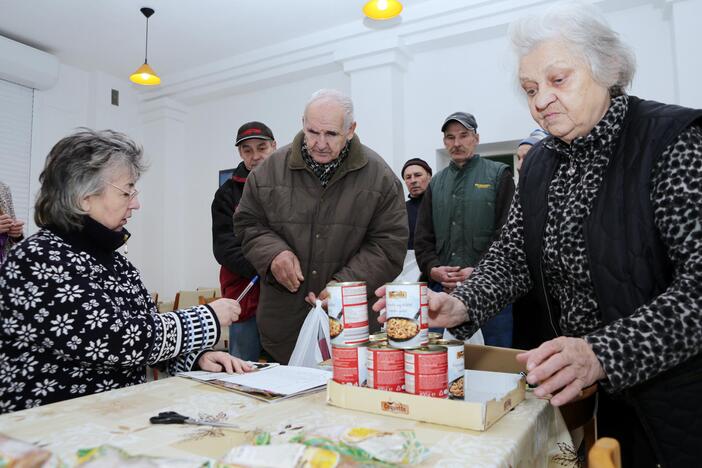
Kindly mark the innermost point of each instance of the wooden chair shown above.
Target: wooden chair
(581, 413)
(605, 453)
(186, 299)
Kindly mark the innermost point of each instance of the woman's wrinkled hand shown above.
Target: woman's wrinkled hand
(562, 367)
(444, 310)
(219, 361)
(227, 311)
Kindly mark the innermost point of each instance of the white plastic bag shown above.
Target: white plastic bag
(410, 269)
(313, 342)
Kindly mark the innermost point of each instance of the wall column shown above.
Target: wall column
(377, 90)
(158, 250)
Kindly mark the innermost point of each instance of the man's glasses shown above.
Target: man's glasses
(131, 194)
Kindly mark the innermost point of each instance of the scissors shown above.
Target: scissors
(171, 417)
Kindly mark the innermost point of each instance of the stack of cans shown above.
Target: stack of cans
(406, 357)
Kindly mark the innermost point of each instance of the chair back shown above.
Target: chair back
(186, 299)
(606, 453)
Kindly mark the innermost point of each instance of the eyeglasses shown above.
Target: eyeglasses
(131, 194)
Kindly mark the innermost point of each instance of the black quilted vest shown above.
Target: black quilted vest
(628, 262)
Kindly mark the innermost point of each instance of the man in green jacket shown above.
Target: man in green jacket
(323, 208)
(463, 211)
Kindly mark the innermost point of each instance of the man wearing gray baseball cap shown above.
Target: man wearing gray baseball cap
(463, 211)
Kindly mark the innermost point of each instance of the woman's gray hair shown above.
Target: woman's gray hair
(336, 96)
(78, 167)
(611, 61)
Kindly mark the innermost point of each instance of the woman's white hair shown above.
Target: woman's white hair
(335, 96)
(579, 24)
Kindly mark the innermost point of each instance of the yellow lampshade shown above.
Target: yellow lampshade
(145, 75)
(382, 9)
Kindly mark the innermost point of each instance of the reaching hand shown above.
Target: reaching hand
(286, 270)
(444, 310)
(219, 361)
(323, 296)
(562, 367)
(227, 311)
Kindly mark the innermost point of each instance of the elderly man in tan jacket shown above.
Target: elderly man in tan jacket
(324, 208)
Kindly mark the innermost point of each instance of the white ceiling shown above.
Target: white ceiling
(108, 35)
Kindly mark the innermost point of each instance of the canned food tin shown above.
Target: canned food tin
(456, 366)
(349, 364)
(386, 368)
(407, 309)
(426, 371)
(348, 312)
(435, 336)
(378, 338)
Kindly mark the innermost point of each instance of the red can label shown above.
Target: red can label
(426, 372)
(386, 368)
(348, 313)
(349, 365)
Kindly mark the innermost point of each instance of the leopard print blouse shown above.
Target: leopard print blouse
(658, 335)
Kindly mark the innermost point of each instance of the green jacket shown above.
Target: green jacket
(463, 211)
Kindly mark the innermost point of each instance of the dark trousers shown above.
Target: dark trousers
(659, 421)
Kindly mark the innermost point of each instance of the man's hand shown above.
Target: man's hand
(219, 361)
(444, 274)
(5, 223)
(562, 367)
(456, 279)
(16, 229)
(227, 311)
(444, 310)
(286, 270)
(323, 296)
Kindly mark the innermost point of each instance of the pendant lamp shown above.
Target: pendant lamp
(382, 9)
(145, 75)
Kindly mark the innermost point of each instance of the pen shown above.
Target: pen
(248, 287)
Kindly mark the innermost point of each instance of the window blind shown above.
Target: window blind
(16, 104)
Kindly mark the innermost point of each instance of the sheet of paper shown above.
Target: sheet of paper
(283, 380)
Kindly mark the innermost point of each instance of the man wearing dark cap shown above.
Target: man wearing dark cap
(255, 143)
(463, 211)
(416, 173)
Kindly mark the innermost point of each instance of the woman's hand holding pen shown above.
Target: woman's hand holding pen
(227, 311)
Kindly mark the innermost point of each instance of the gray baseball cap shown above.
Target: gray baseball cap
(463, 118)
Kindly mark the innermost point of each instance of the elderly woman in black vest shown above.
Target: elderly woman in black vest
(75, 317)
(606, 228)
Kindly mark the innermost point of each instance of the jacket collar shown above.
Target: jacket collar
(354, 161)
(468, 165)
(240, 173)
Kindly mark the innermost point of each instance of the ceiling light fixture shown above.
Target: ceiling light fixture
(145, 75)
(382, 9)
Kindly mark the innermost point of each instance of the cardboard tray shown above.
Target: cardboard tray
(477, 416)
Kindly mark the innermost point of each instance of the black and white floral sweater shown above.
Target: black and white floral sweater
(76, 319)
(658, 335)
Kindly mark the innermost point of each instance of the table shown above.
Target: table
(531, 435)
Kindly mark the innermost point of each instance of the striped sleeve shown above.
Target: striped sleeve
(183, 333)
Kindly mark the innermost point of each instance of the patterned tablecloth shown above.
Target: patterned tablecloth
(532, 435)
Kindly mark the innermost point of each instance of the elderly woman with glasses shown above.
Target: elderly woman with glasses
(606, 230)
(75, 317)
